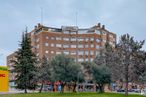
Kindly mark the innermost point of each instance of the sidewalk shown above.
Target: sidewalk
(14, 91)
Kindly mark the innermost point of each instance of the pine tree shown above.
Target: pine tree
(24, 65)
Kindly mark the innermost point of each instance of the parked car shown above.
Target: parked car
(121, 90)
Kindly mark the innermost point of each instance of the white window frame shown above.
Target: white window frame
(91, 39)
(86, 52)
(73, 46)
(80, 52)
(80, 59)
(66, 46)
(66, 39)
(58, 45)
(92, 45)
(46, 51)
(52, 45)
(46, 44)
(80, 46)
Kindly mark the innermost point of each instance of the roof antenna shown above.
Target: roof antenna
(26, 29)
(42, 15)
(76, 18)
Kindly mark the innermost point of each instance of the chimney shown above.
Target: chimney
(103, 26)
(98, 25)
(39, 25)
(35, 27)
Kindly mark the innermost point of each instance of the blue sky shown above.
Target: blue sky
(118, 16)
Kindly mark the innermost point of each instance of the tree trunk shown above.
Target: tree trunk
(101, 88)
(62, 87)
(25, 90)
(126, 79)
(74, 87)
(41, 87)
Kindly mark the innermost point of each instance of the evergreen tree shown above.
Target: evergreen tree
(24, 65)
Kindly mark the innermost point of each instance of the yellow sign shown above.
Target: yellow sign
(4, 79)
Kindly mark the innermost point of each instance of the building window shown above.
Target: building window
(58, 45)
(81, 60)
(85, 31)
(86, 39)
(37, 40)
(66, 52)
(46, 52)
(73, 39)
(47, 37)
(104, 33)
(58, 52)
(91, 59)
(73, 46)
(52, 45)
(66, 32)
(72, 32)
(97, 31)
(91, 39)
(92, 45)
(80, 39)
(80, 52)
(66, 39)
(97, 40)
(97, 52)
(104, 40)
(52, 38)
(86, 52)
(73, 53)
(110, 35)
(52, 52)
(46, 44)
(58, 38)
(91, 52)
(80, 46)
(66, 46)
(86, 59)
(86, 46)
(111, 43)
(97, 46)
(37, 46)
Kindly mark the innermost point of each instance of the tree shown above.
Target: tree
(125, 60)
(65, 70)
(131, 58)
(101, 75)
(44, 72)
(108, 57)
(87, 70)
(24, 65)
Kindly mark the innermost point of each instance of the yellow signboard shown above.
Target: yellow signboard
(4, 79)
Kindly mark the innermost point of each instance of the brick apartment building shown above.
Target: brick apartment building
(83, 44)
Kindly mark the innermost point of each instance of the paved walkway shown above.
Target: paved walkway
(16, 91)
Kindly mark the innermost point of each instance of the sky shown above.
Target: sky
(118, 16)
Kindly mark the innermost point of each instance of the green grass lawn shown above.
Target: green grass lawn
(69, 95)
